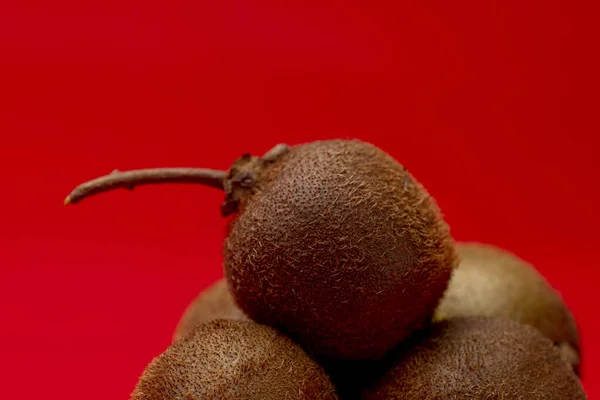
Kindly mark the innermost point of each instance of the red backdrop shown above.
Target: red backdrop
(489, 103)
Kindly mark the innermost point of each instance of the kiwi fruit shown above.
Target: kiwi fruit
(233, 359)
(215, 302)
(332, 242)
(479, 358)
(496, 283)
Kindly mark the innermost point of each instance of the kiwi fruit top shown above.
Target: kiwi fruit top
(215, 302)
(494, 282)
(474, 358)
(233, 359)
(333, 242)
(340, 247)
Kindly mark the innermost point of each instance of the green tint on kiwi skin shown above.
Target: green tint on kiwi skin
(494, 282)
(233, 359)
(333, 242)
(215, 302)
(472, 358)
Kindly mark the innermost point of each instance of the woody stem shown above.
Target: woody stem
(133, 178)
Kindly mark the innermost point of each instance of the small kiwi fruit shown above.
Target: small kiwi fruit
(493, 282)
(215, 302)
(233, 359)
(333, 242)
(478, 358)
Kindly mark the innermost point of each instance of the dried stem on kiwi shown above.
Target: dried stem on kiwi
(275, 152)
(237, 180)
(131, 179)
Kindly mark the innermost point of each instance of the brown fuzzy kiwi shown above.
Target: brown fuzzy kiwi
(496, 283)
(334, 242)
(233, 359)
(340, 247)
(473, 358)
(215, 302)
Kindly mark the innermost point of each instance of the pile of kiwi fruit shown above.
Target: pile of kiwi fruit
(341, 280)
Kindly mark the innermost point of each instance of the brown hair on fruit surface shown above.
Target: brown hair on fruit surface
(478, 358)
(493, 282)
(333, 242)
(233, 359)
(214, 302)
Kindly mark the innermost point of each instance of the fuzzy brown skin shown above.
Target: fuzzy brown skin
(494, 282)
(229, 359)
(476, 358)
(215, 302)
(340, 247)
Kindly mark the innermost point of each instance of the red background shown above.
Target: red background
(491, 104)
